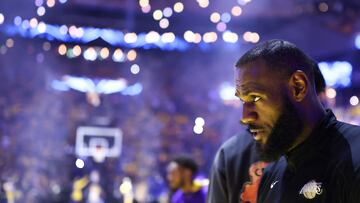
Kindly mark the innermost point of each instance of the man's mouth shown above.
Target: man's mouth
(257, 133)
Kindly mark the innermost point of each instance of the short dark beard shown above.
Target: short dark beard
(284, 134)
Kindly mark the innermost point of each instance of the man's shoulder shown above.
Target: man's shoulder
(351, 135)
(234, 149)
(349, 131)
(238, 142)
(346, 157)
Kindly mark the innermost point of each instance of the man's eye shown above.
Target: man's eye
(250, 99)
(255, 99)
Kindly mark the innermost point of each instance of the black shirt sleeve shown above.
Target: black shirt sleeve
(354, 195)
(217, 192)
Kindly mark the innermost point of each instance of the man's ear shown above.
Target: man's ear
(299, 85)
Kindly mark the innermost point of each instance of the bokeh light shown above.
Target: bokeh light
(225, 17)
(198, 129)
(152, 37)
(178, 7)
(331, 93)
(76, 50)
(90, 54)
(17, 20)
(157, 15)
(131, 55)
(33, 22)
(189, 36)
(164, 23)
(79, 163)
(46, 46)
(215, 17)
(62, 49)
(200, 121)
(41, 11)
(41, 27)
(118, 55)
(9, 43)
(221, 27)
(135, 69)
(210, 37)
(354, 100)
(50, 3)
(130, 37)
(104, 53)
(2, 18)
(236, 11)
(167, 37)
(167, 12)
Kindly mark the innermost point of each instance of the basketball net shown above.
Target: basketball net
(99, 153)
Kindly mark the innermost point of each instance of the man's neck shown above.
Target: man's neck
(188, 187)
(310, 122)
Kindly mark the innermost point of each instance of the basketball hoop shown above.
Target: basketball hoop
(98, 142)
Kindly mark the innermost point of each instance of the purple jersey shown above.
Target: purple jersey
(191, 197)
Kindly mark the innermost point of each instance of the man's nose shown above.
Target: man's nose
(249, 114)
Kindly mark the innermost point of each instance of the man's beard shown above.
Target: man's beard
(283, 135)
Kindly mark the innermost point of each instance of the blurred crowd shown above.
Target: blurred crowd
(38, 128)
